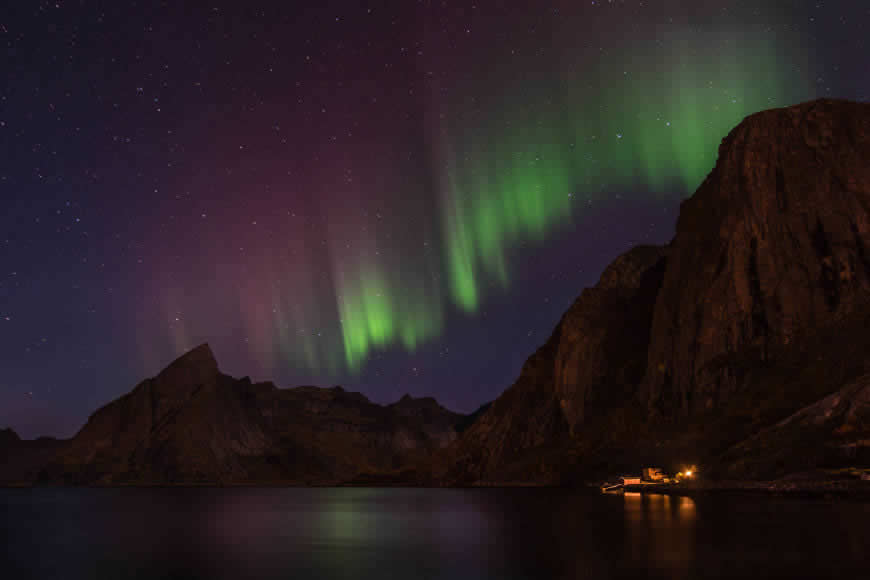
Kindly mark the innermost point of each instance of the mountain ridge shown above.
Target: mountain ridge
(192, 424)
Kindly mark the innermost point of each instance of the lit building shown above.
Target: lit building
(653, 474)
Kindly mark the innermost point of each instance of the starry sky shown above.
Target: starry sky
(396, 196)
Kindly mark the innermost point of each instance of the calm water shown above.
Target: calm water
(424, 533)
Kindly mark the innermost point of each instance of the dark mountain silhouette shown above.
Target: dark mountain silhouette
(193, 424)
(696, 352)
(20, 458)
(8, 437)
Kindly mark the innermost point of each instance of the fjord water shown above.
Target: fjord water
(370, 533)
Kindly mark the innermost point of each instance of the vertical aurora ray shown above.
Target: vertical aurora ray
(384, 265)
(377, 310)
(511, 160)
(366, 316)
(650, 119)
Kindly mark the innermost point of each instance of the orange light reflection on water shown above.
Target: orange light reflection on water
(661, 528)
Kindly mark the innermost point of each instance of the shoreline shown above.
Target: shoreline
(830, 489)
(839, 488)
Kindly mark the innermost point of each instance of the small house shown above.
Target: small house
(630, 479)
(653, 474)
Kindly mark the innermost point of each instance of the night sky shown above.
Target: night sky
(398, 197)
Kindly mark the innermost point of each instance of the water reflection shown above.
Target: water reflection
(661, 509)
(661, 528)
(355, 532)
(423, 533)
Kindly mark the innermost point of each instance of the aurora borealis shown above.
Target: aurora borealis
(402, 197)
(508, 169)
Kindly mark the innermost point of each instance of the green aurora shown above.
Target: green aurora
(521, 165)
(378, 313)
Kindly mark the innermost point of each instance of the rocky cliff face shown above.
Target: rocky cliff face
(774, 245)
(578, 382)
(605, 335)
(189, 422)
(758, 307)
(829, 433)
(193, 424)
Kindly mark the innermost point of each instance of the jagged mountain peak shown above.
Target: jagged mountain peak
(193, 424)
(200, 357)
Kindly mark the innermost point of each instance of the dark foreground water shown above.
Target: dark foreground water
(424, 533)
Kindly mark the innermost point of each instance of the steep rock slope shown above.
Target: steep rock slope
(758, 307)
(189, 422)
(774, 245)
(582, 376)
(823, 434)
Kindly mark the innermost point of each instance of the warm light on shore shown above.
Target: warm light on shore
(687, 473)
